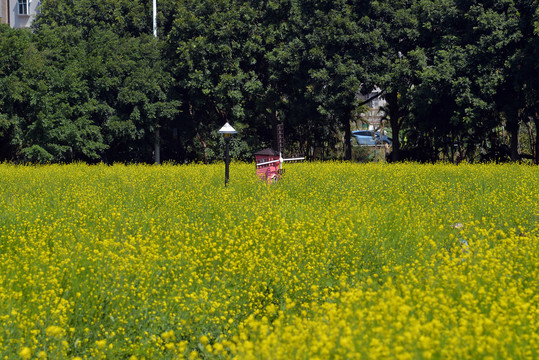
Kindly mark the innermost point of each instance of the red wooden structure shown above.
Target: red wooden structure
(270, 162)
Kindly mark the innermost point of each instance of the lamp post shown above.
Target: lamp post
(227, 131)
(157, 144)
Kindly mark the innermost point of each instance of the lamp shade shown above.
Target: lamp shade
(227, 130)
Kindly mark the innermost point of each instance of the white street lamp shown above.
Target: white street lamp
(227, 132)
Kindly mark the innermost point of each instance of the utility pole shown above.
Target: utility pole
(157, 145)
(155, 18)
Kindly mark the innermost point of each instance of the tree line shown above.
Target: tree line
(90, 82)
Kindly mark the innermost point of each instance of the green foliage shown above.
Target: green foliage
(536, 22)
(16, 50)
(124, 17)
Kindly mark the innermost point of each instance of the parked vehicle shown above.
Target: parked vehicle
(370, 138)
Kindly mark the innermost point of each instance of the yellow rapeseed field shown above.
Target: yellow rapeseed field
(335, 261)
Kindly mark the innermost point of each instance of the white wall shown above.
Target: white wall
(3, 11)
(21, 21)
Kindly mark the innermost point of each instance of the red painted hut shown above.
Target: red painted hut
(267, 164)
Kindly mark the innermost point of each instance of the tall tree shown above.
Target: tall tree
(336, 48)
(398, 58)
(208, 41)
(127, 95)
(130, 93)
(57, 126)
(17, 52)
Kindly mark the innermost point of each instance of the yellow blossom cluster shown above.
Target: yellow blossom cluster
(477, 302)
(336, 260)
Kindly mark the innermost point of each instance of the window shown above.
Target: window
(23, 7)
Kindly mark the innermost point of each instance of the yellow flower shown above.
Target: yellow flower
(204, 339)
(54, 331)
(168, 335)
(218, 348)
(25, 353)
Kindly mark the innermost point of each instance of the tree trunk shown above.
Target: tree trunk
(157, 147)
(531, 139)
(513, 133)
(347, 137)
(274, 121)
(203, 146)
(394, 120)
(536, 160)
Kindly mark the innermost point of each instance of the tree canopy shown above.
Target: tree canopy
(90, 82)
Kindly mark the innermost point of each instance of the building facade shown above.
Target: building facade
(18, 13)
(374, 113)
